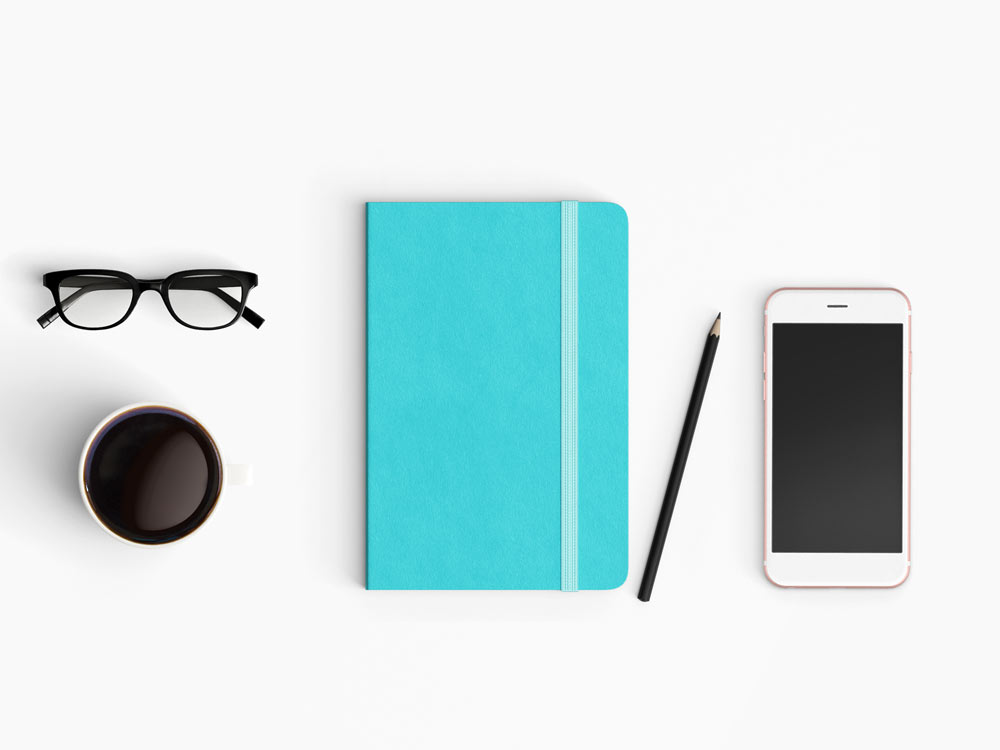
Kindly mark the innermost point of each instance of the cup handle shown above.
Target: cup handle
(238, 474)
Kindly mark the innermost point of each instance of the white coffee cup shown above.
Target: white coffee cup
(142, 469)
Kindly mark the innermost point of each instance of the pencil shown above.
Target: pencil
(680, 459)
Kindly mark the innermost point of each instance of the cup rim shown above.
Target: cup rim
(89, 444)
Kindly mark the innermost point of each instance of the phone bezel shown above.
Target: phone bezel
(812, 305)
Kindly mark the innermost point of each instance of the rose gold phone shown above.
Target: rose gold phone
(837, 367)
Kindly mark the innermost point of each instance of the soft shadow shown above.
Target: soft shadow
(361, 415)
(52, 418)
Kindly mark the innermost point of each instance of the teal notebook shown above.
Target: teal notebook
(497, 396)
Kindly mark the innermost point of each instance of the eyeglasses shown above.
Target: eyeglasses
(99, 299)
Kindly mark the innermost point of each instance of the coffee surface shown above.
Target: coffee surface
(152, 475)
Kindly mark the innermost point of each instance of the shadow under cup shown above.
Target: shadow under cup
(152, 475)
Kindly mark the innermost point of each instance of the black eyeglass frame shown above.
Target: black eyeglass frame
(246, 279)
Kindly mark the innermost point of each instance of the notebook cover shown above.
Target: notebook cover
(464, 440)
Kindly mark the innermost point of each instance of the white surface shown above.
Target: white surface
(753, 144)
(858, 306)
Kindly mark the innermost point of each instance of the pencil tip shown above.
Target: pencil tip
(717, 327)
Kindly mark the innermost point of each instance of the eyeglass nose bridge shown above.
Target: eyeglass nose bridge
(150, 285)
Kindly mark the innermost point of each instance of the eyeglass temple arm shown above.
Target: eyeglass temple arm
(49, 317)
(52, 313)
(248, 315)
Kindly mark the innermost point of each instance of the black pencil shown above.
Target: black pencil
(680, 459)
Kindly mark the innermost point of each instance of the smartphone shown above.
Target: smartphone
(837, 368)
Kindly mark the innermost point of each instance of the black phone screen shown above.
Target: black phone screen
(837, 437)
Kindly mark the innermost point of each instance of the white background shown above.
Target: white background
(753, 144)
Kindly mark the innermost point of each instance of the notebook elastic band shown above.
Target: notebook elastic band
(569, 396)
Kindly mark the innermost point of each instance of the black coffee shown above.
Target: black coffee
(153, 475)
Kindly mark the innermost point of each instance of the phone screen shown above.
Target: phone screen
(837, 437)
